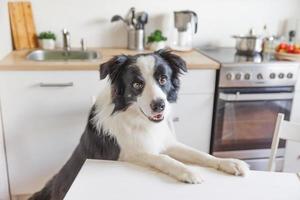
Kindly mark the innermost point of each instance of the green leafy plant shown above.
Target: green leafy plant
(156, 36)
(47, 35)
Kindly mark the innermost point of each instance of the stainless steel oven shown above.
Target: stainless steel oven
(249, 96)
(245, 120)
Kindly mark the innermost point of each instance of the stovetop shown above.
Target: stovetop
(260, 70)
(231, 56)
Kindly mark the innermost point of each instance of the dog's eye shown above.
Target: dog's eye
(162, 80)
(137, 85)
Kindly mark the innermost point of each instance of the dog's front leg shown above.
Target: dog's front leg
(187, 154)
(167, 165)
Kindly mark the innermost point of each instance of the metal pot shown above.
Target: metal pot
(249, 44)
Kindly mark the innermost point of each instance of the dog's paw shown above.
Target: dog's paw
(188, 176)
(234, 166)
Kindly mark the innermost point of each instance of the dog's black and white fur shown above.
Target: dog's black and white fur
(131, 121)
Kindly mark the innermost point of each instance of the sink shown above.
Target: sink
(61, 55)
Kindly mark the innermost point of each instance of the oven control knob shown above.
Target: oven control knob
(281, 75)
(247, 76)
(290, 75)
(229, 76)
(259, 76)
(238, 76)
(272, 75)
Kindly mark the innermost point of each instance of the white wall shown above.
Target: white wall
(90, 19)
(5, 37)
(218, 19)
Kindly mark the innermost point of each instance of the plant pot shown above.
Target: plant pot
(47, 44)
(154, 46)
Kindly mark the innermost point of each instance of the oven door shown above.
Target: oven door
(245, 119)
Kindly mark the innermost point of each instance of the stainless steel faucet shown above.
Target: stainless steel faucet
(66, 40)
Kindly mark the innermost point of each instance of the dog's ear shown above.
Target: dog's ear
(176, 63)
(112, 67)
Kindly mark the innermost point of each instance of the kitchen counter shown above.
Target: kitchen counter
(16, 61)
(119, 180)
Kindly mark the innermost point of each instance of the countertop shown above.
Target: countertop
(16, 61)
(119, 180)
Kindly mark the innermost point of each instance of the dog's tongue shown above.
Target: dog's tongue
(157, 116)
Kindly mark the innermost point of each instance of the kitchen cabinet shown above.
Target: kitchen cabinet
(45, 113)
(4, 192)
(194, 108)
(193, 111)
(42, 124)
(192, 120)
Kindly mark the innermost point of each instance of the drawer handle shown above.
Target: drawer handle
(176, 119)
(69, 84)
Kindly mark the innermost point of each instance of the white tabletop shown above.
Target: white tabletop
(112, 180)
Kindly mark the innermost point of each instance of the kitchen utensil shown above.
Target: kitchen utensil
(118, 18)
(142, 19)
(22, 25)
(131, 38)
(186, 26)
(135, 28)
(249, 44)
(133, 19)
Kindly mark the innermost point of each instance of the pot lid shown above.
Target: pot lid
(251, 35)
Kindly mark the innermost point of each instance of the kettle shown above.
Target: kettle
(186, 23)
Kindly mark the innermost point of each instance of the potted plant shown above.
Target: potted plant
(47, 40)
(156, 40)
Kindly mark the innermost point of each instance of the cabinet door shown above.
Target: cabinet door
(292, 157)
(43, 122)
(4, 192)
(292, 152)
(193, 119)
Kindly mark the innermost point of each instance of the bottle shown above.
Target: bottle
(268, 41)
(292, 36)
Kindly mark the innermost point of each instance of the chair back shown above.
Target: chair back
(283, 130)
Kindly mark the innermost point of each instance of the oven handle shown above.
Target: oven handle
(256, 97)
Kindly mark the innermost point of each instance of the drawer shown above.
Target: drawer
(198, 82)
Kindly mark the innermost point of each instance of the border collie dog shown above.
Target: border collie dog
(131, 121)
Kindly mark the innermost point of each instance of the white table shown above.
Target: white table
(111, 180)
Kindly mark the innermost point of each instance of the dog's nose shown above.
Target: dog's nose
(157, 105)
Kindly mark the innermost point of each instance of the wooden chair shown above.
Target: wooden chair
(283, 130)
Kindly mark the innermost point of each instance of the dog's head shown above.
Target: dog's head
(148, 82)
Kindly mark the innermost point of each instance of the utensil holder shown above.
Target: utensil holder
(136, 39)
